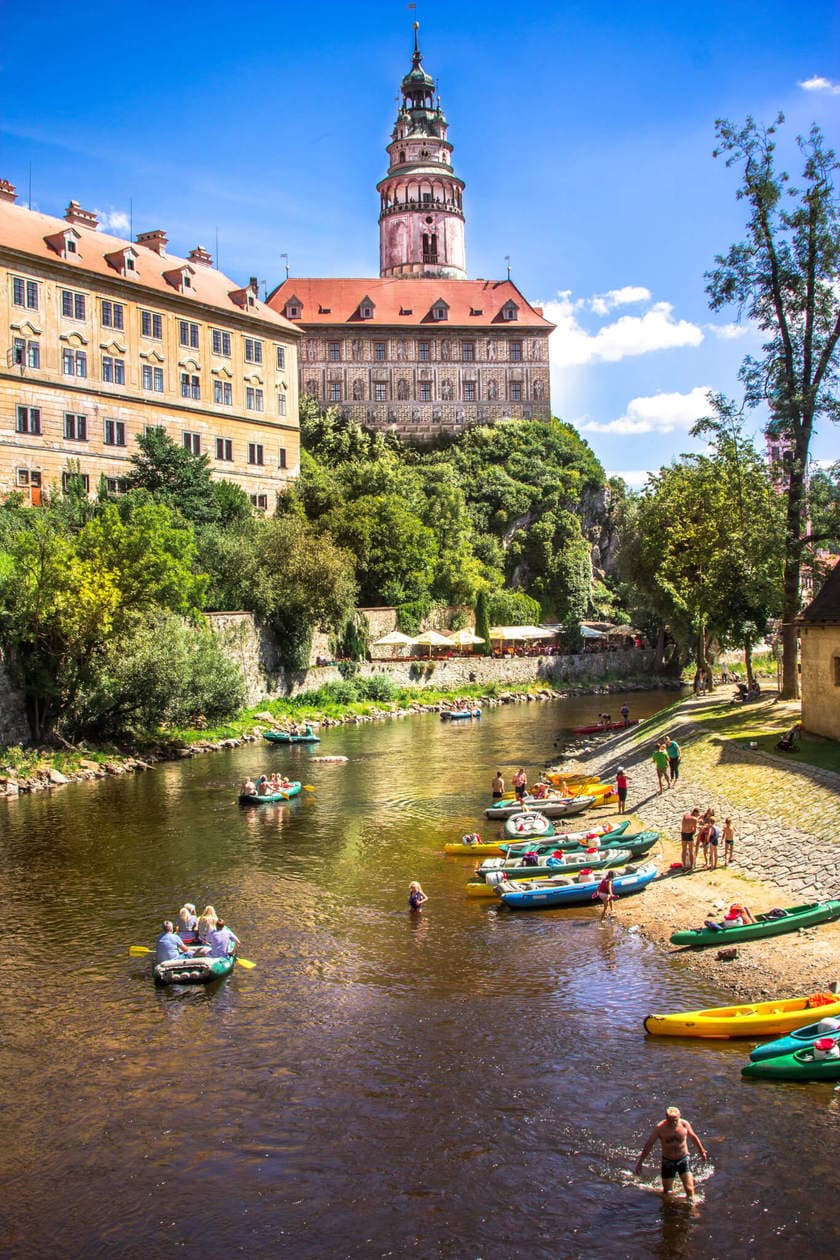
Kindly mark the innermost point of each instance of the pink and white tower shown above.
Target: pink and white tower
(421, 219)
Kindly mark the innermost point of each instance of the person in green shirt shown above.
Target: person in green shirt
(660, 760)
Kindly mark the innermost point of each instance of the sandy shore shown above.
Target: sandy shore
(775, 864)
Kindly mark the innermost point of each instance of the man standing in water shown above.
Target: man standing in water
(674, 1134)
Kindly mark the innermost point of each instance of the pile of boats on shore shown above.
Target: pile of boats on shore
(535, 867)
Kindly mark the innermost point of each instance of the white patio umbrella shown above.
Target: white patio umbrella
(396, 638)
(432, 638)
(464, 638)
(537, 632)
(512, 633)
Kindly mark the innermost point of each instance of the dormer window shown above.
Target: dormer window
(65, 243)
(366, 308)
(293, 312)
(440, 311)
(293, 307)
(510, 311)
(125, 261)
(179, 278)
(367, 312)
(71, 245)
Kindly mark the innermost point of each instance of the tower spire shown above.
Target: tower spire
(421, 219)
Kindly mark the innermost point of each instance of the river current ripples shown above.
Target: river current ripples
(465, 1082)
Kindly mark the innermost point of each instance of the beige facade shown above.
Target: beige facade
(105, 338)
(820, 683)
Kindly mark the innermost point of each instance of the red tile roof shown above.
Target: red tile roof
(27, 231)
(407, 302)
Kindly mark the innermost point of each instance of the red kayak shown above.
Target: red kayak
(598, 727)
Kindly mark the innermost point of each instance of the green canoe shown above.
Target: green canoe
(802, 1065)
(774, 923)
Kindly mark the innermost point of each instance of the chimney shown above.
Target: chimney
(80, 218)
(155, 241)
(201, 255)
(8, 192)
(254, 286)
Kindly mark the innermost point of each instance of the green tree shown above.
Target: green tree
(783, 276)
(394, 552)
(175, 476)
(482, 622)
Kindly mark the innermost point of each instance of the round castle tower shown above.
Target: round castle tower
(421, 219)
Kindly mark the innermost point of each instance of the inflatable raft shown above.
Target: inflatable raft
(456, 715)
(551, 807)
(546, 896)
(247, 798)
(194, 970)
(284, 737)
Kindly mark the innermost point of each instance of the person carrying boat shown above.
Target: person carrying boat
(169, 944)
(673, 1133)
(222, 940)
(498, 786)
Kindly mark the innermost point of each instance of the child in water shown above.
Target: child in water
(416, 896)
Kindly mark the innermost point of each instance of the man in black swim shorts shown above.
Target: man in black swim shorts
(674, 1134)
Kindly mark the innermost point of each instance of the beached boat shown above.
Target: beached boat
(488, 878)
(774, 923)
(639, 844)
(598, 728)
(285, 737)
(499, 849)
(546, 896)
(799, 1039)
(551, 807)
(523, 825)
(591, 787)
(756, 1019)
(802, 1065)
(247, 798)
(186, 970)
(455, 715)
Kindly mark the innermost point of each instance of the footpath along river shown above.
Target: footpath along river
(462, 1083)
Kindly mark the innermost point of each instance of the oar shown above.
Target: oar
(137, 950)
(307, 787)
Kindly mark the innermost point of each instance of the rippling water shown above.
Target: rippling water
(462, 1083)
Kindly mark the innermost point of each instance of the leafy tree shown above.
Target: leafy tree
(175, 476)
(395, 553)
(783, 276)
(512, 608)
(482, 622)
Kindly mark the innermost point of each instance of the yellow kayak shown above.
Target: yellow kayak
(750, 1019)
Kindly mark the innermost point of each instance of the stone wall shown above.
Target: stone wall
(14, 728)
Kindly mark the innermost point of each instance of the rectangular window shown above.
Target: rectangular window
(424, 351)
(380, 391)
(28, 420)
(468, 351)
(75, 427)
(425, 391)
(188, 334)
(335, 392)
(33, 355)
(113, 314)
(72, 304)
(190, 386)
(253, 399)
(334, 351)
(282, 458)
(515, 391)
(151, 325)
(74, 362)
(253, 350)
(379, 351)
(516, 352)
(256, 453)
(221, 342)
(116, 485)
(192, 442)
(281, 404)
(469, 391)
(25, 293)
(19, 351)
(223, 393)
(224, 449)
(260, 502)
(114, 433)
(69, 480)
(113, 370)
(281, 358)
(153, 378)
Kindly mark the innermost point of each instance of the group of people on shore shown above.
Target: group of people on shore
(700, 833)
(266, 785)
(204, 936)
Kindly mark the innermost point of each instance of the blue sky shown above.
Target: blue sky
(584, 133)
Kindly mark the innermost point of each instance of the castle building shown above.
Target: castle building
(105, 338)
(421, 350)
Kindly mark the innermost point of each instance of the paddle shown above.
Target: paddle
(137, 950)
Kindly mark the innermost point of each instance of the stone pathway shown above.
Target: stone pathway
(786, 816)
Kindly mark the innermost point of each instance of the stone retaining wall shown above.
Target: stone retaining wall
(14, 728)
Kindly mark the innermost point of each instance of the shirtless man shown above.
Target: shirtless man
(498, 786)
(674, 1134)
(688, 828)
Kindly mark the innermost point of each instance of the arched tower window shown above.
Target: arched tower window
(402, 155)
(430, 254)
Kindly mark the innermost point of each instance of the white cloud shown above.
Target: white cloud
(573, 346)
(114, 221)
(818, 84)
(657, 413)
(603, 303)
(635, 478)
(729, 332)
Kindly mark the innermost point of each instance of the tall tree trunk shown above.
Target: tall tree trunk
(659, 653)
(748, 660)
(793, 560)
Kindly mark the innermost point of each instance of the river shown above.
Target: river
(466, 1082)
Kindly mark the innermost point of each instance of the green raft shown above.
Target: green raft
(774, 923)
(194, 970)
(802, 1065)
(250, 798)
(285, 737)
